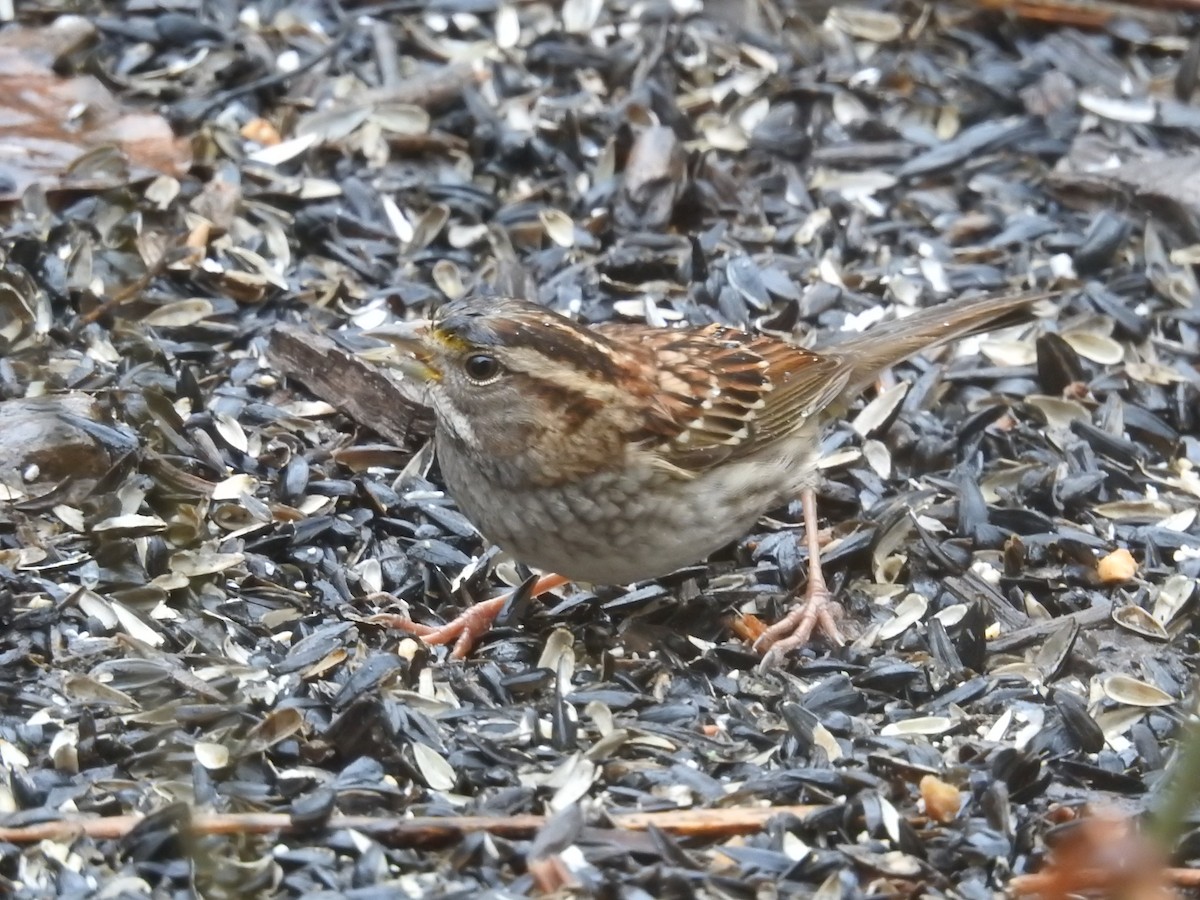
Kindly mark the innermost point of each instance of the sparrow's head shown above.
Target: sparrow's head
(498, 371)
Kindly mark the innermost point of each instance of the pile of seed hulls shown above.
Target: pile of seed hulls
(195, 526)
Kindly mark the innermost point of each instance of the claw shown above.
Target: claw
(476, 621)
(818, 613)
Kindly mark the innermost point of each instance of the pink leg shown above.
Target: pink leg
(471, 625)
(818, 612)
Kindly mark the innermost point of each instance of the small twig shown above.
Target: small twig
(137, 288)
(428, 89)
(970, 587)
(711, 823)
(1085, 618)
(420, 830)
(349, 383)
(1085, 13)
(1047, 884)
(189, 113)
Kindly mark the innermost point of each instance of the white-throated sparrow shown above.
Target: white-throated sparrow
(620, 452)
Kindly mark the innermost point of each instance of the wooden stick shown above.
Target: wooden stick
(1050, 884)
(429, 89)
(419, 830)
(1085, 618)
(1085, 13)
(725, 822)
(352, 385)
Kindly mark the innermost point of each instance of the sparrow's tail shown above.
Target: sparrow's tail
(894, 341)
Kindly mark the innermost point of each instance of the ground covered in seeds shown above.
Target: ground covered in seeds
(197, 519)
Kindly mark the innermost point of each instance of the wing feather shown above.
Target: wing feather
(717, 393)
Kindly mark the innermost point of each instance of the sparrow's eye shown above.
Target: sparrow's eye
(482, 368)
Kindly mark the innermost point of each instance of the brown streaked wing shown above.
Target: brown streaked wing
(721, 393)
(805, 384)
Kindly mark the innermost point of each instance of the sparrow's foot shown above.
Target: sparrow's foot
(472, 624)
(818, 613)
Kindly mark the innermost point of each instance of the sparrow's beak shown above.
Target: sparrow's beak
(411, 349)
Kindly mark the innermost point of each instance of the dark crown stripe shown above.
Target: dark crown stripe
(541, 330)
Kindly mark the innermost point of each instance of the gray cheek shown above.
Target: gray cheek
(454, 423)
